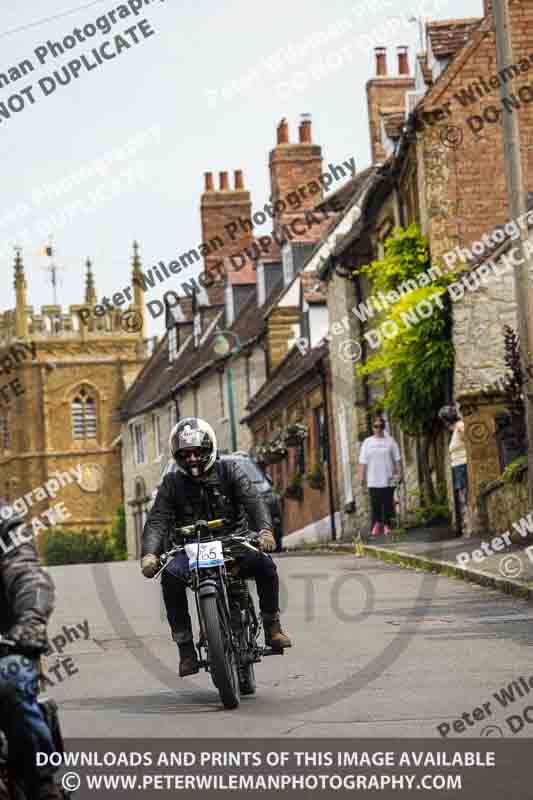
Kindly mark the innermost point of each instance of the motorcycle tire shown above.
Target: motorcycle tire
(220, 654)
(247, 680)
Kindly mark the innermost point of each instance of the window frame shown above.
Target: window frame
(83, 425)
(139, 438)
(158, 439)
(5, 432)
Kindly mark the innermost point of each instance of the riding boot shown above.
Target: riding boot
(275, 636)
(189, 664)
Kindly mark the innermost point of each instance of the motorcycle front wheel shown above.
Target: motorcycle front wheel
(220, 653)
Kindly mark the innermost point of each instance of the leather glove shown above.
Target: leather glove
(266, 541)
(30, 638)
(149, 565)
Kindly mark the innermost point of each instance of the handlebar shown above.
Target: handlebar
(243, 539)
(213, 524)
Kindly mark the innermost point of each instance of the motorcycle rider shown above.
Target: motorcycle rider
(204, 487)
(26, 602)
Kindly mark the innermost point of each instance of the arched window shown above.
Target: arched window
(83, 416)
(5, 435)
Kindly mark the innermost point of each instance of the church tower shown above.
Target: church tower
(62, 374)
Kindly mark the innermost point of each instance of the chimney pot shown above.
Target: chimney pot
(381, 60)
(239, 181)
(224, 182)
(209, 182)
(283, 132)
(305, 129)
(403, 60)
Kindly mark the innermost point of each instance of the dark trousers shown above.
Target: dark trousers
(382, 505)
(23, 722)
(252, 565)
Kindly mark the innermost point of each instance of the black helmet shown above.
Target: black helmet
(192, 433)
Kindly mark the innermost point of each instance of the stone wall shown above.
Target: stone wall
(41, 430)
(500, 506)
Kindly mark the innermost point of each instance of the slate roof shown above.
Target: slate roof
(158, 380)
(291, 369)
(449, 36)
(344, 195)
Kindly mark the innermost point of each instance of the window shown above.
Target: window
(288, 263)
(171, 416)
(138, 438)
(83, 416)
(320, 434)
(172, 344)
(5, 436)
(157, 436)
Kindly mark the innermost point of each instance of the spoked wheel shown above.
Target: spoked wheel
(247, 678)
(220, 653)
(247, 671)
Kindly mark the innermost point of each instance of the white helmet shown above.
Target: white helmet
(192, 433)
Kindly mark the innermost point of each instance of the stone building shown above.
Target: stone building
(299, 390)
(222, 347)
(431, 143)
(61, 417)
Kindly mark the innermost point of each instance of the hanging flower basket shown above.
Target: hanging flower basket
(272, 452)
(315, 477)
(294, 490)
(294, 434)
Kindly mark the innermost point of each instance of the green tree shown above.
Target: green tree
(413, 364)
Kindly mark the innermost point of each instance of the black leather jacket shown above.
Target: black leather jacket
(26, 589)
(225, 493)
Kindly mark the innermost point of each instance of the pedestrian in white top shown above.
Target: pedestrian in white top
(379, 463)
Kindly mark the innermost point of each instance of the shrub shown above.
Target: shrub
(86, 546)
(515, 471)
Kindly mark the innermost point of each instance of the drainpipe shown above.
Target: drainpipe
(322, 373)
(231, 409)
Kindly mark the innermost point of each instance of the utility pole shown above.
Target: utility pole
(517, 208)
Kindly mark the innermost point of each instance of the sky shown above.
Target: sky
(119, 153)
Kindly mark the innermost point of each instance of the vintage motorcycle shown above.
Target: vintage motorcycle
(8, 790)
(229, 626)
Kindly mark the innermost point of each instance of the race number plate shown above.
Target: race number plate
(209, 555)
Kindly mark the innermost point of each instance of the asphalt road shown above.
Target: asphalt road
(378, 651)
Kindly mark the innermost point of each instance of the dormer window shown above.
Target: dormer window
(288, 263)
(172, 344)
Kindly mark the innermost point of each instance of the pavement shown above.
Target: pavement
(509, 570)
(378, 651)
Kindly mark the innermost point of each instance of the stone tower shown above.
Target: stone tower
(61, 376)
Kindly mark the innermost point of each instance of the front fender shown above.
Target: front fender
(207, 587)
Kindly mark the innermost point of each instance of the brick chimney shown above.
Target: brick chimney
(381, 61)
(226, 226)
(403, 60)
(386, 91)
(293, 166)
